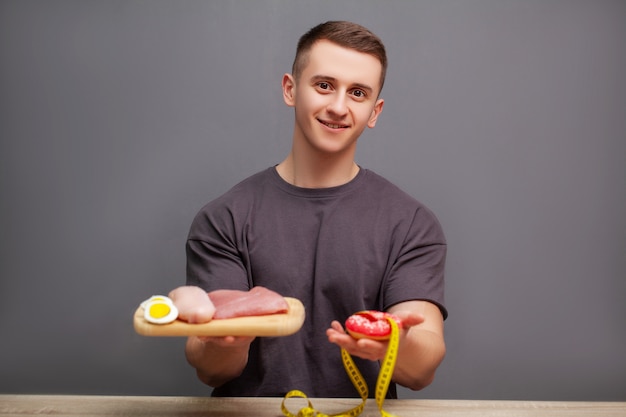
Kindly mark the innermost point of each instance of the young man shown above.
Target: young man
(319, 228)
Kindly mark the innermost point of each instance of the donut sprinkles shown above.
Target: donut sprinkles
(371, 324)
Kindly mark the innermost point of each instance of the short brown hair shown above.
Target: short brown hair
(345, 34)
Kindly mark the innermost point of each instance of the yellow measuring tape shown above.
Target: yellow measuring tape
(382, 383)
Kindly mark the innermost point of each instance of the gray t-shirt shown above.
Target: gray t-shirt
(359, 246)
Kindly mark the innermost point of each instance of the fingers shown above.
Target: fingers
(368, 349)
(227, 341)
(364, 348)
(335, 325)
(409, 318)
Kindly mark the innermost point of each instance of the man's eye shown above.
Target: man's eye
(359, 93)
(323, 86)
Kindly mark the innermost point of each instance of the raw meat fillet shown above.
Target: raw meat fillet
(259, 301)
(193, 304)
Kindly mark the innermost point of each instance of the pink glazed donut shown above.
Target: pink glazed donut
(371, 324)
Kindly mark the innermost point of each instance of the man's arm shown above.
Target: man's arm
(421, 348)
(212, 263)
(218, 359)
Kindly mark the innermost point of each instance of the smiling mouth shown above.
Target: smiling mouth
(333, 125)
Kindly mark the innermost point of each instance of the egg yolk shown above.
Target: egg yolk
(159, 310)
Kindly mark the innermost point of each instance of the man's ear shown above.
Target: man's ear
(378, 109)
(289, 90)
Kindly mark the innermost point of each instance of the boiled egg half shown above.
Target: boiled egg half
(159, 309)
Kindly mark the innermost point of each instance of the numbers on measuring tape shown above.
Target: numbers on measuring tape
(355, 375)
(386, 369)
(382, 383)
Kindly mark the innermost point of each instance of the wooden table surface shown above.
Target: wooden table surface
(86, 406)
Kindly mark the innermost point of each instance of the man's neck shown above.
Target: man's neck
(317, 173)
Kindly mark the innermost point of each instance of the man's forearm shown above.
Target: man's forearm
(418, 358)
(216, 364)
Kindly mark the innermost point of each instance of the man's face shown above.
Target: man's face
(335, 97)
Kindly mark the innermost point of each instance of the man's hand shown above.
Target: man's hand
(218, 359)
(367, 348)
(421, 348)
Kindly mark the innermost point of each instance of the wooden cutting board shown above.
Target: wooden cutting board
(269, 325)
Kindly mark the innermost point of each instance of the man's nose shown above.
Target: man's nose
(338, 104)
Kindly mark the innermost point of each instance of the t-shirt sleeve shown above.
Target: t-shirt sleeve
(213, 259)
(418, 271)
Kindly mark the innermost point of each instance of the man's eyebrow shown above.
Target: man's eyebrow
(320, 77)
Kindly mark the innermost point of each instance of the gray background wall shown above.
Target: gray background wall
(120, 119)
